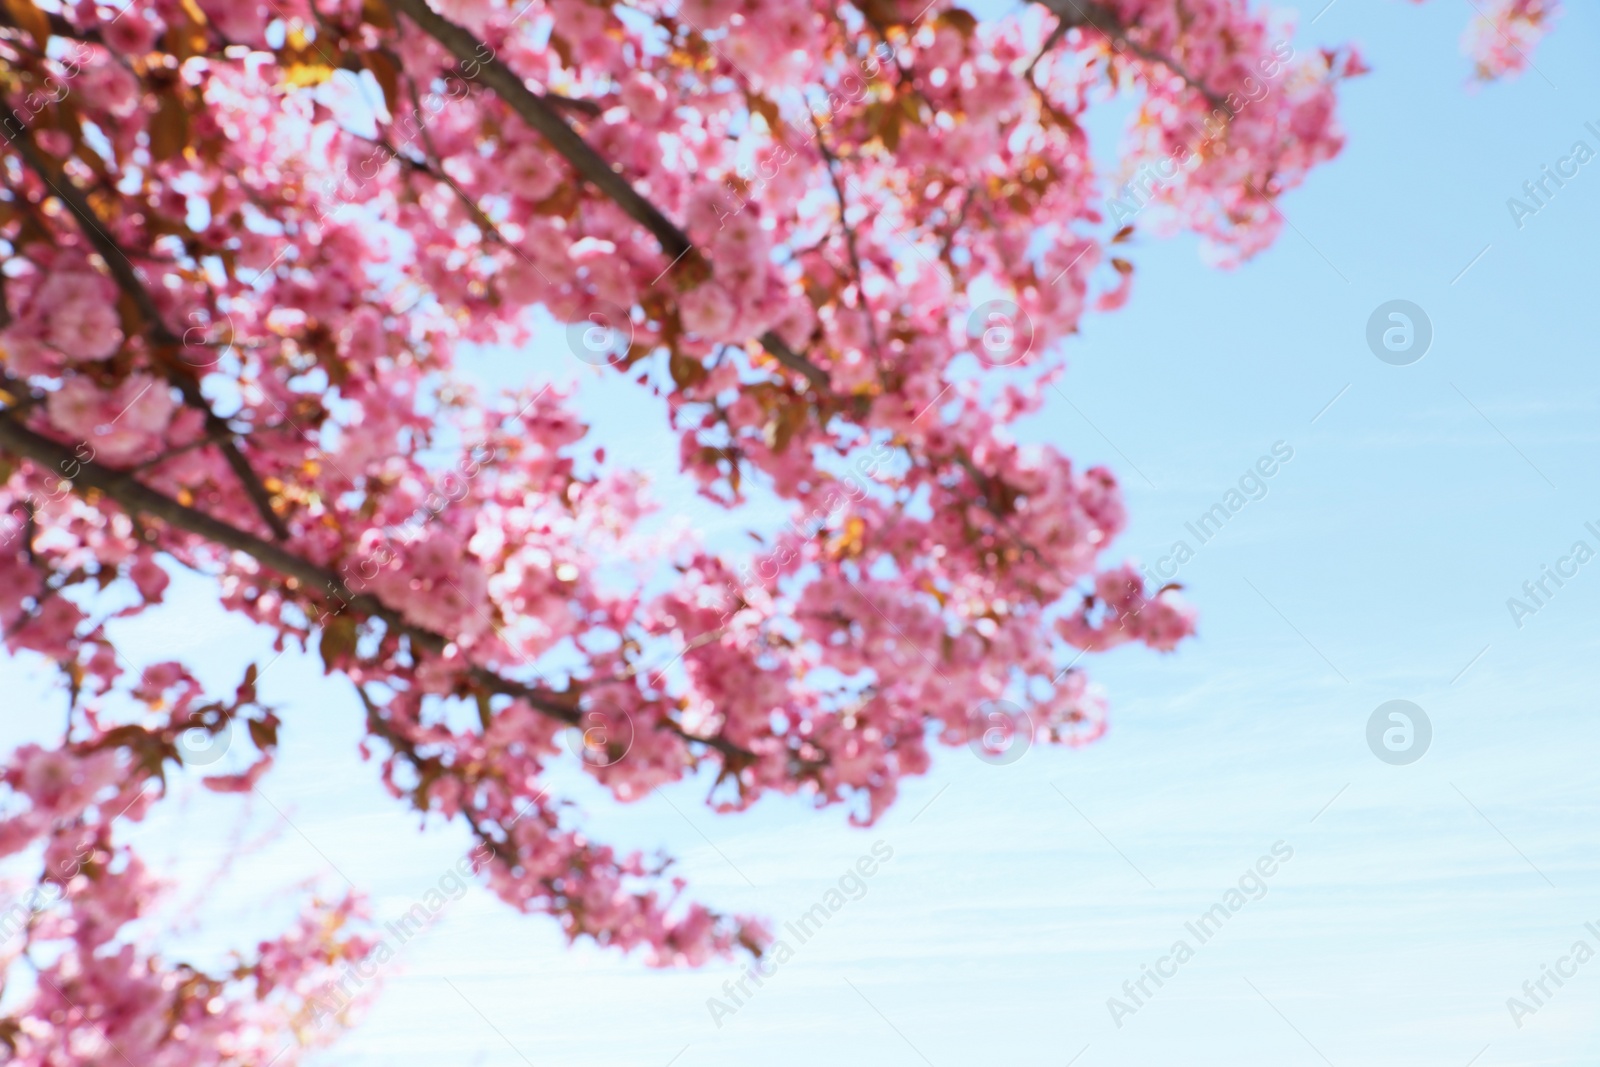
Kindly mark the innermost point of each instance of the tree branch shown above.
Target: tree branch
(832, 161)
(129, 283)
(59, 26)
(136, 499)
(539, 112)
(1098, 17)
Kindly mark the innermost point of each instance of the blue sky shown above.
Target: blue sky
(1020, 898)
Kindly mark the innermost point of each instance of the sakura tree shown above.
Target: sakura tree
(841, 244)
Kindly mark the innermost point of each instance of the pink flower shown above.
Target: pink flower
(119, 425)
(584, 25)
(18, 581)
(530, 172)
(239, 783)
(53, 630)
(75, 407)
(645, 99)
(131, 32)
(439, 588)
(708, 14)
(362, 341)
(1501, 38)
(707, 310)
(242, 21)
(81, 312)
(149, 577)
(145, 402)
(60, 783)
(107, 84)
(56, 143)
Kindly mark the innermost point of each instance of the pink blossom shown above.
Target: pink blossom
(106, 84)
(119, 425)
(149, 576)
(531, 172)
(80, 307)
(132, 32)
(51, 629)
(474, 563)
(59, 783)
(239, 783)
(707, 310)
(238, 20)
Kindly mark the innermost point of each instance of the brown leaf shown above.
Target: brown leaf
(376, 13)
(186, 36)
(685, 369)
(963, 22)
(128, 313)
(889, 127)
(338, 370)
(30, 18)
(338, 641)
(882, 13)
(169, 130)
(387, 73)
(789, 419)
(767, 110)
(562, 48)
(263, 734)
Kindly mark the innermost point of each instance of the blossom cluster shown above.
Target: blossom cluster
(1502, 35)
(244, 255)
(300, 215)
(98, 992)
